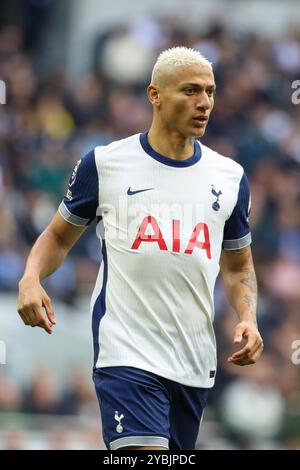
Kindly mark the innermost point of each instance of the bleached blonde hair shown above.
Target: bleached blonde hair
(176, 57)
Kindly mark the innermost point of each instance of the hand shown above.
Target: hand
(32, 299)
(253, 348)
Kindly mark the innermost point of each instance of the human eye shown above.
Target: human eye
(211, 92)
(189, 90)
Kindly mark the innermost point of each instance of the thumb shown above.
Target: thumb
(49, 310)
(238, 335)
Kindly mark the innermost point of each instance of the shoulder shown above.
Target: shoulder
(117, 146)
(221, 163)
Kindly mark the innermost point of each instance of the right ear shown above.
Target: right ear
(153, 95)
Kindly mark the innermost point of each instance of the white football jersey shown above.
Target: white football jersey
(162, 224)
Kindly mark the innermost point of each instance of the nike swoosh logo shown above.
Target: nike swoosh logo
(131, 193)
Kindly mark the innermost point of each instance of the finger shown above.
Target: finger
(251, 344)
(238, 335)
(32, 317)
(23, 317)
(249, 358)
(242, 353)
(242, 361)
(246, 361)
(28, 316)
(49, 310)
(41, 321)
(258, 352)
(46, 326)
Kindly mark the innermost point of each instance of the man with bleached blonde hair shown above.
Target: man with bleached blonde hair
(173, 213)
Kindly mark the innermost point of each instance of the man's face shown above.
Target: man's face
(186, 99)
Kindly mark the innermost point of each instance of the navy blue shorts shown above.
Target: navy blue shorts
(139, 408)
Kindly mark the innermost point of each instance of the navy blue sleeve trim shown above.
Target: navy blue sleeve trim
(237, 230)
(80, 204)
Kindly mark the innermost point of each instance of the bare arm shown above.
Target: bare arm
(51, 248)
(239, 279)
(46, 255)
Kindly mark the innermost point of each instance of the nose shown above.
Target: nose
(203, 102)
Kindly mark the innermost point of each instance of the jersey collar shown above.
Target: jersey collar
(169, 161)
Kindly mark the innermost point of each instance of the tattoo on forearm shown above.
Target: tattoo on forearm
(250, 301)
(250, 280)
(239, 274)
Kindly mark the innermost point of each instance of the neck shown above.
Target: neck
(170, 144)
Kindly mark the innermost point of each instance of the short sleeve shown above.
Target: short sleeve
(80, 203)
(237, 232)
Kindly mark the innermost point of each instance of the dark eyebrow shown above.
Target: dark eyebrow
(196, 85)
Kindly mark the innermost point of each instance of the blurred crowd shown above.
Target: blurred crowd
(60, 416)
(48, 123)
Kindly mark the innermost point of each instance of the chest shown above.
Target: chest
(177, 208)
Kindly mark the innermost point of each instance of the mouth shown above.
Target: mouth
(200, 120)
